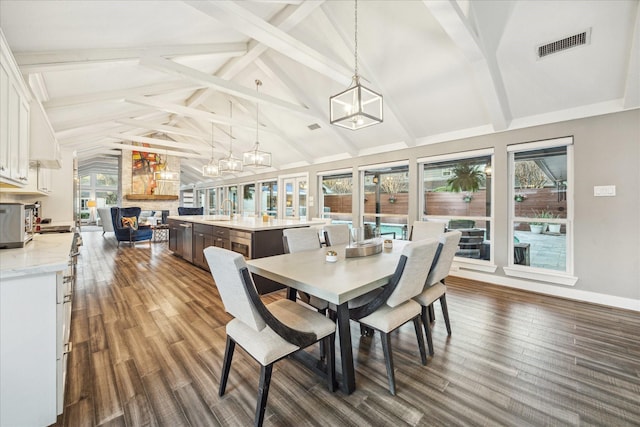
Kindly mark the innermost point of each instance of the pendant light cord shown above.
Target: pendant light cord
(230, 128)
(258, 84)
(356, 38)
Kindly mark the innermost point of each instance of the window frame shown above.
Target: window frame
(565, 277)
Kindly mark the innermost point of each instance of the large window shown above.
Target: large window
(385, 197)
(541, 210)
(213, 201)
(336, 196)
(456, 189)
(249, 199)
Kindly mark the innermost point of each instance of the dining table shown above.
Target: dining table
(336, 282)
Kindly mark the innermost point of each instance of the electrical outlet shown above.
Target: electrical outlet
(604, 191)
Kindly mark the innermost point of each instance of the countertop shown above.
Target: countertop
(247, 224)
(46, 253)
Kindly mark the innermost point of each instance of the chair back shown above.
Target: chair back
(105, 219)
(118, 213)
(461, 223)
(440, 270)
(225, 266)
(336, 234)
(300, 239)
(419, 257)
(190, 211)
(426, 230)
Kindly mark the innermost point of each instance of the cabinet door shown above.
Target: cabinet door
(44, 180)
(4, 122)
(23, 142)
(14, 131)
(175, 238)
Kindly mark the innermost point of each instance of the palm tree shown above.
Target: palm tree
(466, 177)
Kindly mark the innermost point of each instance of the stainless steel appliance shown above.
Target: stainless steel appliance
(17, 223)
(241, 242)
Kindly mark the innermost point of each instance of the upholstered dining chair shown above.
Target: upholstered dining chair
(126, 227)
(182, 210)
(394, 305)
(267, 333)
(336, 234)
(426, 230)
(435, 288)
(299, 240)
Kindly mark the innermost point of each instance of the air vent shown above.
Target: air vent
(575, 40)
(314, 126)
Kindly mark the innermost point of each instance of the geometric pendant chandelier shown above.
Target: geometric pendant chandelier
(256, 158)
(230, 164)
(357, 107)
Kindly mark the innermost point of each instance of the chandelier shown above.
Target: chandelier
(161, 173)
(211, 169)
(256, 158)
(230, 164)
(357, 107)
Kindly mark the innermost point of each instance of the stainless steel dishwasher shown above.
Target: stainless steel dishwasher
(187, 241)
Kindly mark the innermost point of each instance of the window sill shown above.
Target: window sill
(471, 264)
(541, 275)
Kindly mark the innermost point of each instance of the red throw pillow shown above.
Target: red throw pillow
(130, 222)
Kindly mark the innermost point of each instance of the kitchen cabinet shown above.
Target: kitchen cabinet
(35, 320)
(181, 239)
(44, 147)
(38, 182)
(14, 120)
(205, 236)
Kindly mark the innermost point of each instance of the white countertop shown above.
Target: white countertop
(44, 254)
(247, 224)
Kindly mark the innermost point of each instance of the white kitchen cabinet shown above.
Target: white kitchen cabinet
(35, 320)
(14, 120)
(44, 147)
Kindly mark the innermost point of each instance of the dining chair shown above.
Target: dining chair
(299, 240)
(426, 230)
(394, 305)
(267, 333)
(336, 234)
(435, 288)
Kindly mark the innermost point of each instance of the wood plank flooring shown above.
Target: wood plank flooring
(148, 339)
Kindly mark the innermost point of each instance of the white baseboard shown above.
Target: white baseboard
(570, 293)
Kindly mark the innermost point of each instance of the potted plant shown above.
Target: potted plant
(519, 197)
(538, 227)
(467, 198)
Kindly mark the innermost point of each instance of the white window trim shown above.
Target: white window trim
(526, 272)
(457, 156)
(376, 166)
(320, 178)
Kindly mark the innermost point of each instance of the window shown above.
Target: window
(106, 180)
(213, 201)
(249, 199)
(295, 196)
(456, 189)
(540, 206)
(336, 196)
(269, 197)
(385, 196)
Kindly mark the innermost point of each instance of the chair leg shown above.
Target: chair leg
(330, 356)
(416, 326)
(226, 365)
(388, 358)
(427, 328)
(263, 393)
(445, 312)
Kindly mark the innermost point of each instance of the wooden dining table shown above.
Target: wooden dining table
(336, 282)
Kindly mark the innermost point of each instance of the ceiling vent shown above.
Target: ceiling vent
(314, 126)
(575, 40)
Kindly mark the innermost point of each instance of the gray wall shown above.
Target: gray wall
(606, 229)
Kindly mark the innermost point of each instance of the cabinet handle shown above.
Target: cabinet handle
(68, 348)
(1, 168)
(67, 298)
(67, 279)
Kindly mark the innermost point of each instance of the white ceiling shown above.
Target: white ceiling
(112, 72)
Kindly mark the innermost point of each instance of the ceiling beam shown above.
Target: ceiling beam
(119, 95)
(484, 64)
(220, 84)
(64, 60)
(62, 129)
(285, 21)
(129, 147)
(240, 19)
(155, 141)
(157, 127)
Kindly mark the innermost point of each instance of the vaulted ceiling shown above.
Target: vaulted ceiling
(114, 74)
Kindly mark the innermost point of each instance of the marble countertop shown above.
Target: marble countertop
(46, 253)
(247, 224)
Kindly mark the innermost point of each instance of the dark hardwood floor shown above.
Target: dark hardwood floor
(148, 338)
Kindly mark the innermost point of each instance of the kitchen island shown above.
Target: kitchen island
(254, 238)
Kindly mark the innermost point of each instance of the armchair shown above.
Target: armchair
(182, 210)
(105, 220)
(132, 233)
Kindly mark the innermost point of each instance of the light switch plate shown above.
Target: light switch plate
(604, 190)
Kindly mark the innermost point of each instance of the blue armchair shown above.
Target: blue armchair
(131, 234)
(190, 211)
